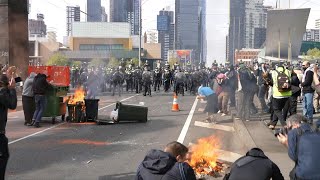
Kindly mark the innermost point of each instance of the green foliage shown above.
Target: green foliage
(172, 61)
(313, 53)
(113, 62)
(75, 63)
(97, 63)
(58, 59)
(135, 61)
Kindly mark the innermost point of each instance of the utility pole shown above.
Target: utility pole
(279, 47)
(290, 47)
(140, 31)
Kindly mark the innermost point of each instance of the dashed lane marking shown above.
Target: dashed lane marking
(188, 122)
(47, 129)
(120, 101)
(214, 126)
(39, 132)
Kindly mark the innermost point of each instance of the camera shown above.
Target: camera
(283, 131)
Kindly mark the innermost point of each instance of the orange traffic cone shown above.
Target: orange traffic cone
(175, 105)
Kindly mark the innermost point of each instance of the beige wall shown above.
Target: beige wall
(47, 49)
(153, 49)
(75, 42)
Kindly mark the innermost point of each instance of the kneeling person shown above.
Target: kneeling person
(166, 165)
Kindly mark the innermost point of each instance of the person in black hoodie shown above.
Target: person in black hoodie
(166, 165)
(8, 100)
(307, 91)
(255, 165)
(40, 87)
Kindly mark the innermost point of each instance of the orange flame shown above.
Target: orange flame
(78, 96)
(204, 155)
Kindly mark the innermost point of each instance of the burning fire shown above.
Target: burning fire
(78, 96)
(204, 157)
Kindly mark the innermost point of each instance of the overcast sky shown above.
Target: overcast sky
(217, 17)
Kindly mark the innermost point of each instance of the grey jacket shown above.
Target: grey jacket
(27, 87)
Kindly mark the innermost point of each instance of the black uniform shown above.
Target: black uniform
(8, 100)
(254, 166)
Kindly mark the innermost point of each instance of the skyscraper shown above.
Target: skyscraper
(104, 16)
(94, 11)
(165, 27)
(73, 15)
(188, 27)
(256, 17)
(236, 35)
(126, 11)
(203, 30)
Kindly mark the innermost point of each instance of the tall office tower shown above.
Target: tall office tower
(73, 15)
(188, 27)
(256, 17)
(126, 11)
(104, 16)
(165, 27)
(203, 30)
(94, 11)
(236, 35)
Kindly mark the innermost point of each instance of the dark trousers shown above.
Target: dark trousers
(261, 96)
(232, 96)
(280, 111)
(28, 108)
(40, 101)
(4, 155)
(243, 106)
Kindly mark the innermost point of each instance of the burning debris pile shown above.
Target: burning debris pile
(78, 96)
(204, 158)
(76, 106)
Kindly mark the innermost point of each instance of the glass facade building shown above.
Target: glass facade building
(94, 11)
(165, 27)
(190, 27)
(126, 11)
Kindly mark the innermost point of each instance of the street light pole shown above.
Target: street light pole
(140, 31)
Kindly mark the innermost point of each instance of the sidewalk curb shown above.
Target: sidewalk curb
(243, 133)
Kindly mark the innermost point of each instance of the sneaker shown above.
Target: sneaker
(219, 111)
(223, 114)
(37, 125)
(247, 120)
(32, 123)
(271, 127)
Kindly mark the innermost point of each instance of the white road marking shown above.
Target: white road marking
(203, 101)
(47, 129)
(120, 101)
(20, 139)
(187, 123)
(214, 126)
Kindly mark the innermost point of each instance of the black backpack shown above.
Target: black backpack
(283, 82)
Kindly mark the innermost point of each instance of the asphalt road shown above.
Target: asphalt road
(88, 151)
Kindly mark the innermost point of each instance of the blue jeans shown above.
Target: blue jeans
(308, 106)
(40, 101)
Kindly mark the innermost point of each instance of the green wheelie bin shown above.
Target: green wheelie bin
(55, 104)
(132, 113)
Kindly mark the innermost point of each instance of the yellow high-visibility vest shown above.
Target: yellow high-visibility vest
(276, 92)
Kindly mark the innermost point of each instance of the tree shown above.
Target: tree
(75, 63)
(313, 53)
(135, 61)
(113, 62)
(97, 63)
(173, 61)
(58, 59)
